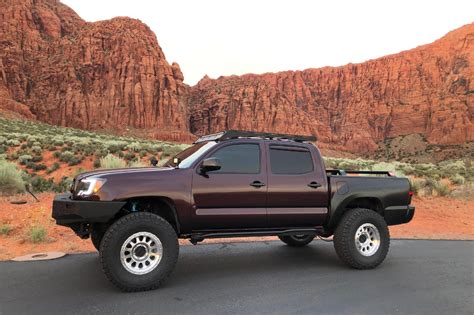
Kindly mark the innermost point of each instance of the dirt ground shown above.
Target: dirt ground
(435, 218)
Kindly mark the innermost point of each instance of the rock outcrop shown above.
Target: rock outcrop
(113, 75)
(428, 90)
(103, 75)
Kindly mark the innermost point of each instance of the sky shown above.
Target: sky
(217, 37)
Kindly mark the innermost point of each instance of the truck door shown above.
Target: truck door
(234, 196)
(297, 186)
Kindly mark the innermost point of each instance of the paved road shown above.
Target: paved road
(418, 277)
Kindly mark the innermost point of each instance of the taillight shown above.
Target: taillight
(410, 193)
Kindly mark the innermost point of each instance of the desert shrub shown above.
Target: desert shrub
(37, 158)
(39, 167)
(5, 229)
(441, 188)
(13, 143)
(3, 149)
(52, 168)
(52, 148)
(143, 153)
(74, 161)
(100, 153)
(96, 163)
(3, 140)
(13, 156)
(11, 179)
(63, 185)
(129, 156)
(417, 185)
(134, 146)
(24, 146)
(111, 161)
(457, 179)
(136, 164)
(40, 184)
(121, 154)
(66, 156)
(37, 234)
(57, 154)
(23, 159)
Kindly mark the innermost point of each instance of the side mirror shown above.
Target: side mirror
(210, 164)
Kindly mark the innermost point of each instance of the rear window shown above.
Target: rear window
(287, 161)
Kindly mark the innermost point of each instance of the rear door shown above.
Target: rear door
(233, 197)
(297, 186)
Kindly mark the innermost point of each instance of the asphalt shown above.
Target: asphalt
(418, 277)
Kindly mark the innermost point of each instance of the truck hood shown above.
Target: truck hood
(121, 171)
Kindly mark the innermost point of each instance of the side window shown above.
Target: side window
(287, 161)
(239, 158)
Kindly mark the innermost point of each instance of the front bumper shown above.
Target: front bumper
(68, 212)
(399, 214)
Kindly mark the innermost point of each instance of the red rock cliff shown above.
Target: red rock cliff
(427, 90)
(103, 75)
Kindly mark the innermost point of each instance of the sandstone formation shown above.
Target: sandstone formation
(103, 75)
(113, 75)
(428, 90)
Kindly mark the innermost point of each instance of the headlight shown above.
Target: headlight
(89, 186)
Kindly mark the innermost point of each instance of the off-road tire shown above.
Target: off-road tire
(118, 233)
(297, 241)
(344, 238)
(96, 237)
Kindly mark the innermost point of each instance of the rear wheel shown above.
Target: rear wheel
(139, 252)
(362, 239)
(297, 240)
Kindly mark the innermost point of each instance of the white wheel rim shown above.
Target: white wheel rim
(367, 239)
(141, 253)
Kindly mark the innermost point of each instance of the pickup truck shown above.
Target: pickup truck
(231, 184)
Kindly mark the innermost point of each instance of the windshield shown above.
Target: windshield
(187, 157)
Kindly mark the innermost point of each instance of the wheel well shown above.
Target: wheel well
(367, 203)
(362, 202)
(162, 206)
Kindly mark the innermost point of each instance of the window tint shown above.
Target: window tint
(290, 161)
(239, 158)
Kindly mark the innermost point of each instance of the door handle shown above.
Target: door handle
(314, 185)
(257, 184)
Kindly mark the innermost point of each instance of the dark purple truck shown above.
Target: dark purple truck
(231, 184)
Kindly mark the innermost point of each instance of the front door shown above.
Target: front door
(233, 197)
(297, 191)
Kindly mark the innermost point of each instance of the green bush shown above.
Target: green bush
(36, 149)
(66, 156)
(136, 164)
(5, 229)
(24, 159)
(442, 189)
(40, 184)
(37, 158)
(111, 161)
(13, 143)
(52, 168)
(129, 156)
(11, 179)
(39, 167)
(37, 234)
(74, 161)
(57, 154)
(96, 163)
(457, 179)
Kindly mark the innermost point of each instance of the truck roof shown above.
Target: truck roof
(237, 134)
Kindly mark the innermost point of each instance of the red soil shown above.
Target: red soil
(435, 218)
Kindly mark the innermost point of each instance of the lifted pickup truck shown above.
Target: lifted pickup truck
(231, 184)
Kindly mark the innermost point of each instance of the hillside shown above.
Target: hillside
(415, 106)
(427, 91)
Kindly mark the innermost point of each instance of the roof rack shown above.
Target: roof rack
(235, 134)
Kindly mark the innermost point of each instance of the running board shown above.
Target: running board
(199, 237)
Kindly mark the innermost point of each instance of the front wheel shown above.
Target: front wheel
(297, 240)
(362, 239)
(139, 251)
